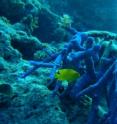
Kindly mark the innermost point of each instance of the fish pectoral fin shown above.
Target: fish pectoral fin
(57, 75)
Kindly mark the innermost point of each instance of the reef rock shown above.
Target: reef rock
(33, 105)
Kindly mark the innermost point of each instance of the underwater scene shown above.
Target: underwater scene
(58, 61)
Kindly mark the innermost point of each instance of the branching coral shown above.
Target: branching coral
(98, 68)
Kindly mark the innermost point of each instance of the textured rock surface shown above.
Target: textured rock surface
(33, 104)
(30, 101)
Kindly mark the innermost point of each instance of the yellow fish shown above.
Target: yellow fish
(67, 75)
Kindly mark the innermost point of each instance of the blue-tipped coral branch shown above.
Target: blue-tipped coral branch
(36, 65)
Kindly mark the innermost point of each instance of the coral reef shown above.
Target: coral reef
(23, 101)
(15, 10)
(32, 105)
(97, 65)
(36, 41)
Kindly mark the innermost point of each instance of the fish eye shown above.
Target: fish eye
(58, 72)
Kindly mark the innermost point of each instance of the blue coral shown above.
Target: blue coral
(98, 74)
